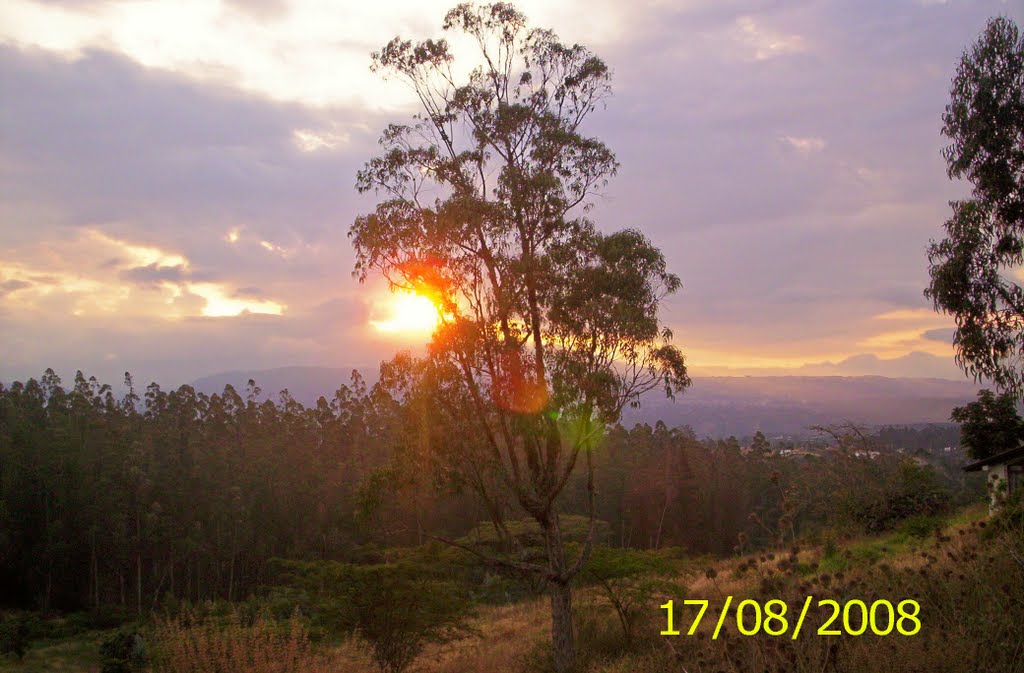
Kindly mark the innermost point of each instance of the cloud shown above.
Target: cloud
(135, 280)
(942, 335)
(156, 153)
(275, 9)
(307, 51)
(164, 181)
(154, 274)
(309, 140)
(764, 43)
(13, 285)
(159, 195)
(807, 145)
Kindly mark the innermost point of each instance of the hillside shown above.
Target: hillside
(901, 565)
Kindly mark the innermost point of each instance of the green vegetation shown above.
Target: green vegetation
(965, 573)
(70, 653)
(972, 268)
(989, 425)
(397, 609)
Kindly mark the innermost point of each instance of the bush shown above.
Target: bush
(921, 526)
(124, 652)
(15, 635)
(396, 609)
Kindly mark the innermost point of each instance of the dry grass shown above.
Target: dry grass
(232, 645)
(970, 590)
(503, 635)
(968, 582)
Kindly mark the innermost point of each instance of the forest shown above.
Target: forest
(175, 496)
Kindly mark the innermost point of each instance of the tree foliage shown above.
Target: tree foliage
(631, 579)
(989, 425)
(973, 268)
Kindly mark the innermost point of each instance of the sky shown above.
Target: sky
(177, 178)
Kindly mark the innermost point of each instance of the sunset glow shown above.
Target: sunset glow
(408, 313)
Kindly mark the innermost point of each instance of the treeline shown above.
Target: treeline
(662, 486)
(123, 500)
(131, 500)
(934, 437)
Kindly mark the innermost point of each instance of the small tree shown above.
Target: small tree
(972, 268)
(396, 609)
(550, 326)
(630, 579)
(989, 425)
(760, 445)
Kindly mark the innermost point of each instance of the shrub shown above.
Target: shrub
(124, 652)
(396, 609)
(15, 635)
(920, 526)
(232, 644)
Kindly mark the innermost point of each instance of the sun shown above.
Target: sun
(408, 313)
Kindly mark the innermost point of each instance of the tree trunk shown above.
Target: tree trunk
(661, 523)
(138, 561)
(138, 582)
(562, 638)
(563, 644)
(95, 572)
(231, 579)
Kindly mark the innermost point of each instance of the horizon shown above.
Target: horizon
(369, 372)
(715, 406)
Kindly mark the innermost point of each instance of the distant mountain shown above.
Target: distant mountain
(715, 406)
(739, 405)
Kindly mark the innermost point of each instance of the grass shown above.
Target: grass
(74, 654)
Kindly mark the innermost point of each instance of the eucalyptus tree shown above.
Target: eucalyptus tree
(975, 268)
(549, 326)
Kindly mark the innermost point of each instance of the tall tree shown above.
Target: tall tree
(549, 326)
(973, 268)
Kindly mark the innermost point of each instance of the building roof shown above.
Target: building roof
(997, 459)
